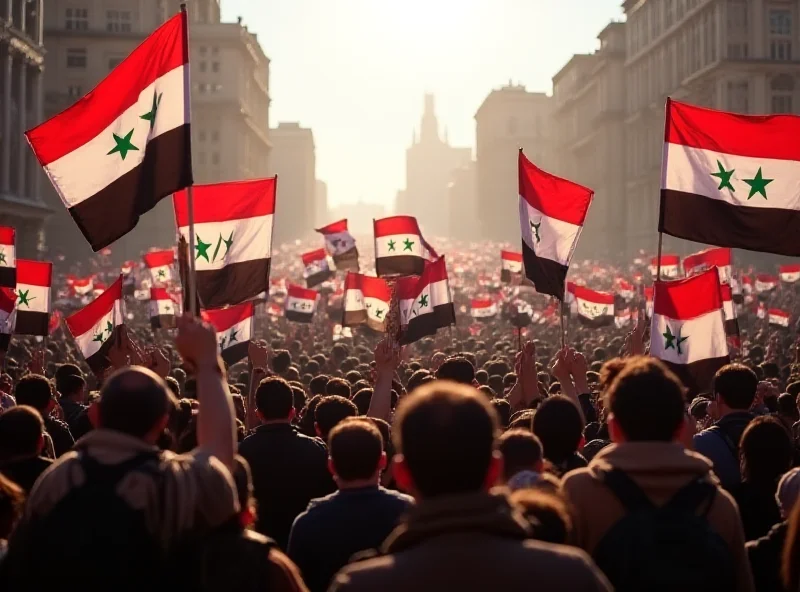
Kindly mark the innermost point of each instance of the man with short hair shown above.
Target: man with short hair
(330, 411)
(21, 445)
(72, 390)
(281, 362)
(523, 461)
(559, 426)
(358, 517)
(289, 469)
(339, 387)
(36, 391)
(458, 369)
(459, 536)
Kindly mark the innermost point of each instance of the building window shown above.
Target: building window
(215, 158)
(202, 87)
(202, 136)
(780, 50)
(215, 51)
(202, 66)
(118, 21)
(76, 57)
(780, 30)
(76, 19)
(201, 158)
(782, 88)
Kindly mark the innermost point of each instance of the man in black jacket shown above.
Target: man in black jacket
(289, 469)
(71, 388)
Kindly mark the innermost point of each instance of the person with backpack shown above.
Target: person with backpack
(649, 511)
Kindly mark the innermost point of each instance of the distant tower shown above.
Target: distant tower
(430, 126)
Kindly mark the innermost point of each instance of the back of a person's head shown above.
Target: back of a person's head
(736, 385)
(318, 384)
(503, 409)
(338, 387)
(355, 446)
(351, 377)
(331, 410)
(21, 430)
(521, 450)
(362, 400)
(418, 378)
(63, 371)
(547, 513)
(766, 450)
(558, 425)
(35, 391)
(646, 399)
(610, 370)
(133, 401)
(446, 434)
(787, 406)
(457, 369)
(72, 384)
(281, 361)
(274, 399)
(793, 388)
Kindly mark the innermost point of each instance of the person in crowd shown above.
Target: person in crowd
(547, 512)
(330, 411)
(790, 563)
(523, 462)
(34, 390)
(71, 388)
(21, 446)
(558, 425)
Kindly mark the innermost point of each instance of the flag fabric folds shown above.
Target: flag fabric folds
(511, 266)
(551, 214)
(779, 318)
(595, 309)
(95, 327)
(340, 245)
(670, 266)
(425, 303)
(688, 329)
(729, 179)
(234, 327)
(100, 287)
(400, 248)
(163, 309)
(716, 256)
(482, 309)
(233, 238)
(789, 274)
(731, 322)
(317, 270)
(160, 264)
(301, 304)
(8, 257)
(34, 279)
(367, 300)
(114, 154)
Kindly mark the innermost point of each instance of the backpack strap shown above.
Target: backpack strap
(629, 494)
(690, 497)
(109, 475)
(734, 449)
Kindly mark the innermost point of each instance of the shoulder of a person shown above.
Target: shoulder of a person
(396, 496)
(196, 461)
(571, 563)
(53, 422)
(58, 472)
(365, 574)
(284, 573)
(577, 478)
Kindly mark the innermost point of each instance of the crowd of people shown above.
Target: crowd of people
(486, 457)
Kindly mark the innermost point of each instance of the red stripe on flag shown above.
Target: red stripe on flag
(85, 319)
(407, 287)
(223, 319)
(776, 312)
(480, 303)
(725, 292)
(718, 256)
(373, 287)
(688, 298)
(334, 227)
(511, 256)
(791, 268)
(665, 260)
(294, 291)
(7, 235)
(396, 225)
(159, 258)
(7, 300)
(765, 278)
(226, 201)
(34, 273)
(593, 296)
(159, 294)
(160, 53)
(757, 136)
(553, 196)
(313, 256)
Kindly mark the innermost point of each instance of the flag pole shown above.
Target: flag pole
(658, 257)
(561, 318)
(187, 88)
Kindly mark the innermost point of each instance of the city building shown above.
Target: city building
(462, 197)
(321, 204)
(294, 161)
(360, 216)
(21, 78)
(86, 39)
(509, 118)
(430, 161)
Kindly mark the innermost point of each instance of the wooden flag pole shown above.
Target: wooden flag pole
(190, 201)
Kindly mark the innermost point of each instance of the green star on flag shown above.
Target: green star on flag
(202, 249)
(222, 342)
(123, 146)
(407, 244)
(724, 177)
(379, 313)
(228, 243)
(673, 341)
(758, 184)
(24, 298)
(391, 245)
(233, 338)
(3, 258)
(423, 301)
(151, 115)
(162, 273)
(535, 228)
(98, 337)
(109, 327)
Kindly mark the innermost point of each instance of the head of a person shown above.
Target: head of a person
(457, 369)
(136, 402)
(787, 407)
(547, 513)
(766, 450)
(281, 361)
(356, 452)
(73, 388)
(21, 433)
(645, 403)
(558, 425)
(34, 390)
(418, 378)
(318, 384)
(330, 411)
(362, 399)
(522, 451)
(503, 409)
(64, 371)
(339, 387)
(734, 388)
(445, 436)
(788, 492)
(274, 400)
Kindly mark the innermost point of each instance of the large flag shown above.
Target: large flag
(731, 322)
(789, 273)
(551, 214)
(301, 304)
(670, 266)
(94, 327)
(482, 308)
(729, 179)
(317, 270)
(425, 303)
(595, 309)
(114, 154)
(234, 327)
(8, 302)
(160, 264)
(163, 309)
(399, 247)
(511, 265)
(8, 257)
(366, 300)
(233, 238)
(779, 318)
(34, 279)
(719, 256)
(688, 329)
(340, 245)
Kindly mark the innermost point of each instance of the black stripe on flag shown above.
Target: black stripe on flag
(99, 360)
(233, 284)
(352, 318)
(163, 322)
(505, 276)
(732, 327)
(347, 261)
(601, 321)
(399, 265)
(32, 323)
(235, 353)
(317, 278)
(298, 317)
(548, 276)
(697, 376)
(114, 211)
(8, 277)
(443, 315)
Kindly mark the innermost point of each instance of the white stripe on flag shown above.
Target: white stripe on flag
(512, 266)
(403, 244)
(375, 306)
(237, 334)
(353, 300)
(556, 238)
(702, 338)
(251, 240)
(87, 342)
(33, 298)
(434, 294)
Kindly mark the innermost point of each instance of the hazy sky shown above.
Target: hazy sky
(355, 71)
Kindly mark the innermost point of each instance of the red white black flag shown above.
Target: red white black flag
(34, 279)
(482, 308)
(670, 266)
(316, 268)
(789, 273)
(234, 327)
(94, 327)
(551, 213)
(400, 248)
(779, 318)
(366, 301)
(301, 304)
(340, 245)
(161, 265)
(8, 302)
(163, 309)
(595, 309)
(8, 257)
(425, 303)
(625, 289)
(765, 283)
(511, 266)
(716, 256)
(83, 286)
(731, 321)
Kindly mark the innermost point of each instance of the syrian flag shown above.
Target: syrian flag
(316, 269)
(425, 302)
(233, 238)
(8, 258)
(648, 301)
(114, 154)
(779, 318)
(8, 302)
(622, 318)
(625, 289)
(366, 300)
(789, 273)
(765, 283)
(160, 264)
(100, 287)
(83, 286)
(301, 304)
(400, 248)
(717, 256)
(731, 322)
(482, 309)
(595, 309)
(511, 265)
(340, 245)
(670, 266)
(163, 309)
(34, 279)
(551, 214)
(234, 327)
(95, 326)
(688, 329)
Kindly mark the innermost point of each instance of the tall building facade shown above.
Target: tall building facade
(430, 161)
(21, 93)
(230, 96)
(294, 161)
(462, 197)
(510, 118)
(321, 207)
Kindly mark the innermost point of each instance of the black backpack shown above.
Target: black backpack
(667, 548)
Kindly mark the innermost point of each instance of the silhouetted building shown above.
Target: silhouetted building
(294, 161)
(462, 195)
(321, 204)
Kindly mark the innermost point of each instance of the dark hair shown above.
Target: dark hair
(446, 433)
(35, 391)
(63, 371)
(362, 399)
(557, 422)
(610, 371)
(788, 406)
(21, 430)
(12, 501)
(133, 400)
(736, 384)
(646, 399)
(522, 420)
(274, 398)
(190, 388)
(766, 451)
(417, 379)
(298, 399)
(330, 411)
(458, 369)
(312, 367)
(503, 409)
(281, 360)
(71, 384)
(318, 384)
(353, 376)
(339, 387)
(355, 447)
(521, 450)
(173, 385)
(548, 514)
(793, 388)
(482, 376)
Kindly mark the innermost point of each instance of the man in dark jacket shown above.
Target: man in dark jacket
(289, 469)
(460, 536)
(71, 388)
(21, 445)
(356, 518)
(36, 391)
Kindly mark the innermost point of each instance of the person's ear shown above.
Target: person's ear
(495, 471)
(581, 443)
(331, 468)
(292, 413)
(94, 414)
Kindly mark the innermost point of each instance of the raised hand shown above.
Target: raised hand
(259, 355)
(197, 343)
